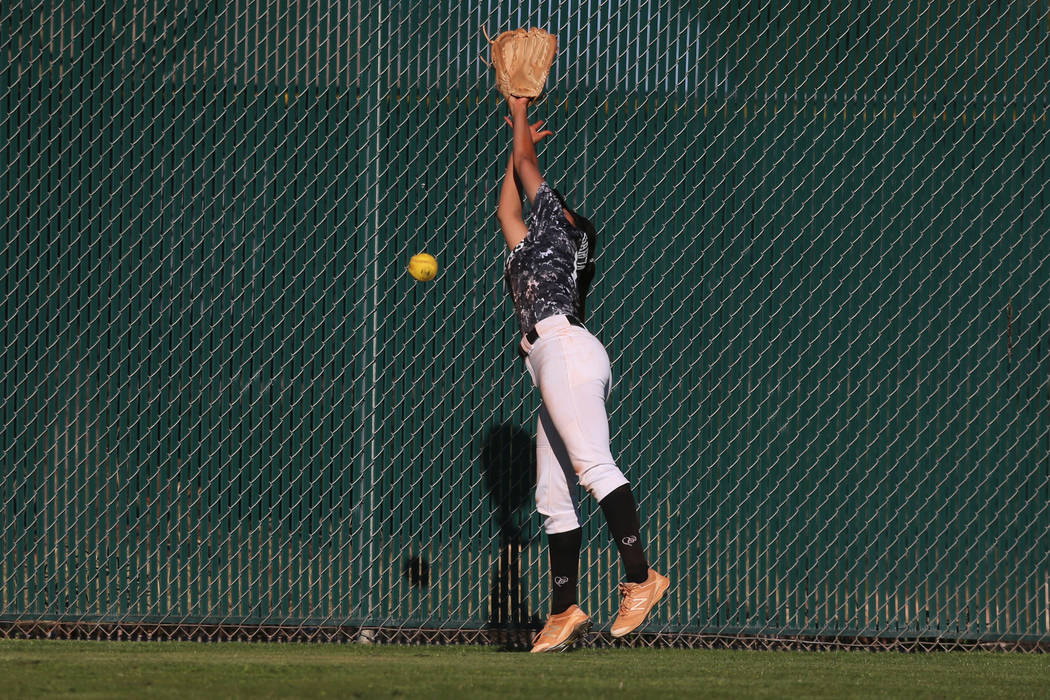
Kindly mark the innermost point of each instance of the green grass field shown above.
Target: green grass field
(186, 669)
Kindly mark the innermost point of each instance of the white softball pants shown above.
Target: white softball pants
(572, 371)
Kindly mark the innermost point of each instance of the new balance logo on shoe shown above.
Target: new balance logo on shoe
(629, 540)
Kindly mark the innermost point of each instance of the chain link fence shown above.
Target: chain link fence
(823, 269)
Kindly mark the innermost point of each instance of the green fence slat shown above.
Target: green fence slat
(822, 281)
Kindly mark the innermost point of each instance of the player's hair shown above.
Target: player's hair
(586, 276)
(582, 222)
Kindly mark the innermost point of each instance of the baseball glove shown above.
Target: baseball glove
(522, 60)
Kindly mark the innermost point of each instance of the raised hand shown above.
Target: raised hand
(534, 129)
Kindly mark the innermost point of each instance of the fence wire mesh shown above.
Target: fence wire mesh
(822, 279)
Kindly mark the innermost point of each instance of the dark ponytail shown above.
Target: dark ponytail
(584, 277)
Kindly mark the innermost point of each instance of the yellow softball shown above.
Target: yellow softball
(423, 267)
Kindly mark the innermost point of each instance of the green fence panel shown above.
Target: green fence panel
(823, 279)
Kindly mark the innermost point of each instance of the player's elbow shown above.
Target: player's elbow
(506, 214)
(524, 160)
(528, 170)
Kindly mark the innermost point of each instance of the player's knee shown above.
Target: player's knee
(562, 521)
(559, 510)
(602, 479)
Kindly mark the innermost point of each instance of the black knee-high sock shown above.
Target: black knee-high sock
(621, 513)
(564, 551)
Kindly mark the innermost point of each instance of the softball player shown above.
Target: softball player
(571, 369)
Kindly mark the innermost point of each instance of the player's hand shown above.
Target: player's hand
(534, 129)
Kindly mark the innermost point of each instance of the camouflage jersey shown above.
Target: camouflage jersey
(541, 272)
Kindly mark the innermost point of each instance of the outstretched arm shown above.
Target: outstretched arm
(526, 163)
(509, 210)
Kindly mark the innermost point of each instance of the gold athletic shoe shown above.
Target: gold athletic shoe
(562, 630)
(636, 600)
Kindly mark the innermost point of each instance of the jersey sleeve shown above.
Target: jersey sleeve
(545, 205)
